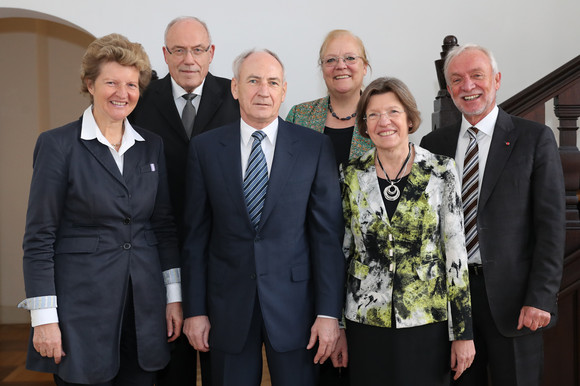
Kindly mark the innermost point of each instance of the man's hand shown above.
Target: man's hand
(533, 318)
(325, 330)
(462, 354)
(174, 317)
(197, 329)
(339, 356)
(47, 341)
